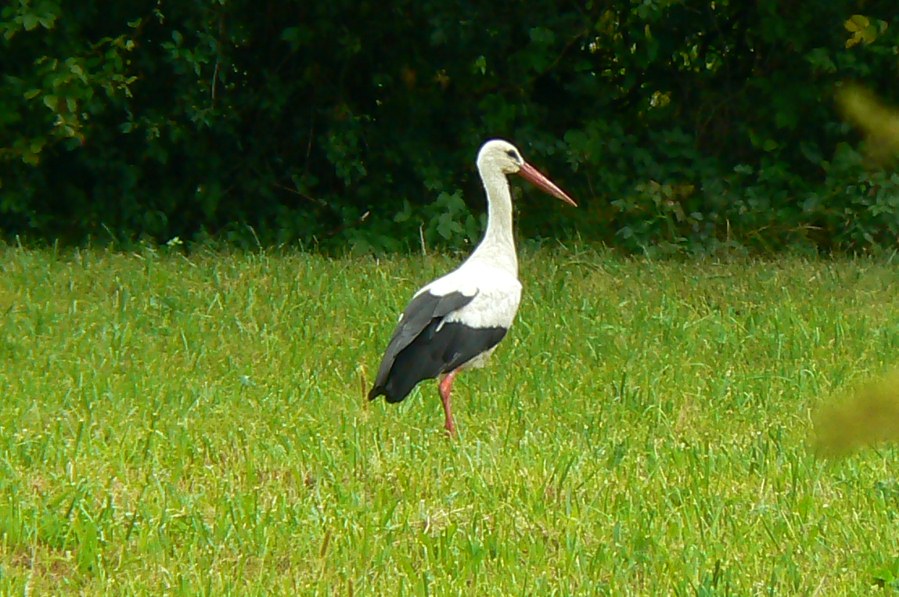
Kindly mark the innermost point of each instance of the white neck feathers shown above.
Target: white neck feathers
(498, 244)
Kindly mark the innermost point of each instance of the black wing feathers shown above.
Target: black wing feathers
(440, 348)
(425, 309)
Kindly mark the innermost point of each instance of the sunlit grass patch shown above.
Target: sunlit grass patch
(197, 424)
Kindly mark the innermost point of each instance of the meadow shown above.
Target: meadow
(195, 424)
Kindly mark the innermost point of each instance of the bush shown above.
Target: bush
(678, 126)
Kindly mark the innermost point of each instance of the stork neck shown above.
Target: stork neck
(498, 244)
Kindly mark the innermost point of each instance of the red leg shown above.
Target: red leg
(445, 387)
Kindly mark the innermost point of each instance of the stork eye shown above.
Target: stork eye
(511, 153)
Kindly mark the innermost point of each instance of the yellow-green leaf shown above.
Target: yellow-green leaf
(857, 23)
(868, 417)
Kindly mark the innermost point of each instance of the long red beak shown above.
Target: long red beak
(532, 174)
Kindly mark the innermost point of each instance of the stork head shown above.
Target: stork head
(501, 156)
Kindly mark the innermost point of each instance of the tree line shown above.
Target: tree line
(678, 125)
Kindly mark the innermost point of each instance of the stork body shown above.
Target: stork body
(456, 321)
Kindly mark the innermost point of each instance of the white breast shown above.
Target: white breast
(497, 294)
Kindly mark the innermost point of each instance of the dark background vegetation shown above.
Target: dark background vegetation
(679, 125)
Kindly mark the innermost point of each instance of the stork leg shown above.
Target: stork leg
(445, 387)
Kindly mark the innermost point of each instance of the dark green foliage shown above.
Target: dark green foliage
(677, 125)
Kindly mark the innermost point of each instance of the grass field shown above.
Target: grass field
(196, 425)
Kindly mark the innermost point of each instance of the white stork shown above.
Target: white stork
(456, 321)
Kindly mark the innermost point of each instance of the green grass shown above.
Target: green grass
(196, 425)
